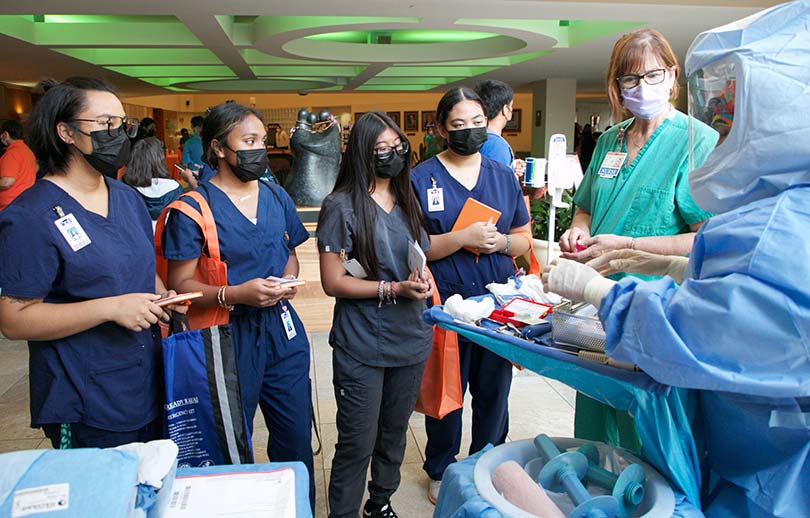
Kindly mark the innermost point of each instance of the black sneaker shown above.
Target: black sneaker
(372, 510)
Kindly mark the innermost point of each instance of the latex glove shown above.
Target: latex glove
(640, 262)
(576, 281)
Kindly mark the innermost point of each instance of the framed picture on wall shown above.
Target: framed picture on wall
(513, 126)
(428, 118)
(394, 117)
(411, 121)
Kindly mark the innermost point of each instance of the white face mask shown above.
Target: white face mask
(646, 101)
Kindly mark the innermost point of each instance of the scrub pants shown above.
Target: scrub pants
(490, 378)
(374, 405)
(596, 421)
(84, 436)
(274, 375)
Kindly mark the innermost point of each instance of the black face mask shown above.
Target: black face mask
(110, 152)
(389, 165)
(251, 164)
(467, 141)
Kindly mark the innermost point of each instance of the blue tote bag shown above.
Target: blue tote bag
(204, 412)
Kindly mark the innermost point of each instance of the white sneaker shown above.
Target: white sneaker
(433, 490)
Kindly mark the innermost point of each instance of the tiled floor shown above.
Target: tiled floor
(537, 404)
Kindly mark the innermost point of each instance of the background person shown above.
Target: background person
(258, 231)
(643, 201)
(736, 330)
(379, 340)
(18, 166)
(147, 173)
(83, 291)
(498, 98)
(462, 172)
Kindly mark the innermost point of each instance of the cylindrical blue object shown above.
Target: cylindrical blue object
(565, 471)
(628, 487)
(528, 176)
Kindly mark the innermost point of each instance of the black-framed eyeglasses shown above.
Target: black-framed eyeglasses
(115, 125)
(401, 149)
(653, 77)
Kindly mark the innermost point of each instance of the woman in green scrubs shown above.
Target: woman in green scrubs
(635, 193)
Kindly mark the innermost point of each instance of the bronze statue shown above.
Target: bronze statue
(315, 143)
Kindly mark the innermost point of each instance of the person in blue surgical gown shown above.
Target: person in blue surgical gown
(737, 328)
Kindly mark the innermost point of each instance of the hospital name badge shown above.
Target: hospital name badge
(73, 232)
(612, 164)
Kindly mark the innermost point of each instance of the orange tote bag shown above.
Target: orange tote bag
(440, 392)
(211, 269)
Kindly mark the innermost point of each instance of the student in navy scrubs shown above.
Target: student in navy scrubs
(443, 184)
(258, 231)
(78, 276)
(379, 340)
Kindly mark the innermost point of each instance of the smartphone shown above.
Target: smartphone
(177, 299)
(287, 282)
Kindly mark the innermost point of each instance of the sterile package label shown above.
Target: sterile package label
(527, 311)
(42, 499)
(234, 495)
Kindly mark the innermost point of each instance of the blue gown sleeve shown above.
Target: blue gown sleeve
(28, 275)
(182, 238)
(742, 324)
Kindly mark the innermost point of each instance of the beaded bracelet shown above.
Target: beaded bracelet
(394, 292)
(381, 293)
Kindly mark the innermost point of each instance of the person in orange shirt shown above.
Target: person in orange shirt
(18, 167)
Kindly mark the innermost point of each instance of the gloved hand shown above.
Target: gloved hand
(643, 263)
(576, 281)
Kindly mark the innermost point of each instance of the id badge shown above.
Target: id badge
(355, 269)
(612, 164)
(287, 320)
(435, 198)
(73, 232)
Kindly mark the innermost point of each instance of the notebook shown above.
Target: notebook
(472, 212)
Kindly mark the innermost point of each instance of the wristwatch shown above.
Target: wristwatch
(508, 243)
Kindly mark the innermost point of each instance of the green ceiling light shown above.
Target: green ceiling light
(434, 71)
(142, 56)
(300, 70)
(503, 61)
(394, 88)
(105, 18)
(253, 85)
(567, 33)
(174, 70)
(402, 36)
(169, 81)
(435, 81)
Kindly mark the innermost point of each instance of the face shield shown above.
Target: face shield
(711, 93)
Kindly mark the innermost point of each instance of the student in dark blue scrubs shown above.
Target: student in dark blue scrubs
(443, 185)
(379, 340)
(78, 276)
(258, 231)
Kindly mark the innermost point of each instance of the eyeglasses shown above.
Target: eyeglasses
(115, 125)
(653, 77)
(401, 149)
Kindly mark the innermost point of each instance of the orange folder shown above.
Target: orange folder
(474, 211)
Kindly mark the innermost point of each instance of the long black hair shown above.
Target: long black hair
(62, 102)
(356, 177)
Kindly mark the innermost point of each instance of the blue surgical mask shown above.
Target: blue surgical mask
(646, 101)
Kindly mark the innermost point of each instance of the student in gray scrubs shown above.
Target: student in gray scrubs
(379, 341)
